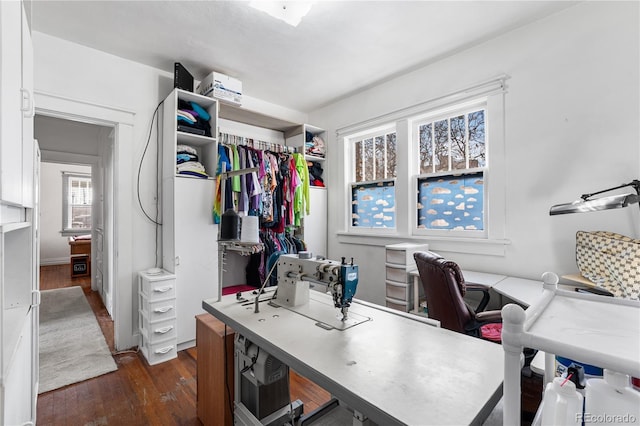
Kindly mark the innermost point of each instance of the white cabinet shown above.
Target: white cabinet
(314, 225)
(19, 295)
(16, 106)
(18, 378)
(28, 113)
(595, 330)
(157, 316)
(189, 236)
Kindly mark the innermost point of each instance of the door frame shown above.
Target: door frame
(120, 269)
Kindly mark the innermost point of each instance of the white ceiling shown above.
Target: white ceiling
(340, 47)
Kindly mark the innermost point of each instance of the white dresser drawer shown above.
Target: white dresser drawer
(402, 254)
(158, 331)
(158, 287)
(400, 305)
(158, 310)
(396, 273)
(399, 291)
(160, 351)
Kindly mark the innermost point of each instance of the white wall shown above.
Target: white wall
(572, 126)
(54, 248)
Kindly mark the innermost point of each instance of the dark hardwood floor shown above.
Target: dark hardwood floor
(137, 393)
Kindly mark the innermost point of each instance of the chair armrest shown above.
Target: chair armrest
(489, 316)
(485, 294)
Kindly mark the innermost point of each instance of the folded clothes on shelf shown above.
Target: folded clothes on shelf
(192, 118)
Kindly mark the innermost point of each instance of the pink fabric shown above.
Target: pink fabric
(492, 332)
(236, 288)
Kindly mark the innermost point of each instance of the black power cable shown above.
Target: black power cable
(153, 117)
(154, 221)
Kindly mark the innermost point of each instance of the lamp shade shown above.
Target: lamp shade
(603, 203)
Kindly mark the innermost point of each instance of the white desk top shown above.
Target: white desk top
(521, 290)
(393, 369)
(596, 330)
(482, 278)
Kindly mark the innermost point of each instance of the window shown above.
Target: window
(76, 203)
(453, 143)
(451, 202)
(452, 163)
(439, 164)
(373, 186)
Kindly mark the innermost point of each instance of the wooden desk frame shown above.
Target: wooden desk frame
(78, 249)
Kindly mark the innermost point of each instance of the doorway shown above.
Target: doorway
(118, 245)
(76, 179)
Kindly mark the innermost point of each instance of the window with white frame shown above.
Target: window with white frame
(452, 163)
(76, 203)
(373, 181)
(449, 180)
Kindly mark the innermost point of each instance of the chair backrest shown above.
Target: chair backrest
(444, 289)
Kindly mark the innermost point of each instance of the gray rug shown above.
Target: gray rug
(72, 347)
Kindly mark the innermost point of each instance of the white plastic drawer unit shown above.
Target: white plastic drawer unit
(402, 254)
(158, 331)
(158, 287)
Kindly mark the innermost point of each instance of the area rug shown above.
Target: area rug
(72, 346)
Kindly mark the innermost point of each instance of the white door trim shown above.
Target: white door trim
(122, 247)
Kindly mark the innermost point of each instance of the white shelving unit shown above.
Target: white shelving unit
(189, 248)
(596, 330)
(314, 225)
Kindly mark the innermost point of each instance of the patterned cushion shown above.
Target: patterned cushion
(610, 260)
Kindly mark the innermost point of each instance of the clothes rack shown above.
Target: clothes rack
(229, 139)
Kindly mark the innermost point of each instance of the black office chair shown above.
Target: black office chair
(444, 288)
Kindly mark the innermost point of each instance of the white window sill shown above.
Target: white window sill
(489, 247)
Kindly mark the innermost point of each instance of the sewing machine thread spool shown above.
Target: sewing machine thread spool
(229, 225)
(304, 255)
(249, 231)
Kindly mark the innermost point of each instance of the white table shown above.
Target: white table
(394, 369)
(596, 330)
(521, 290)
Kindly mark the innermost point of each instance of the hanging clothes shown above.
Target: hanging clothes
(302, 205)
(223, 162)
(278, 193)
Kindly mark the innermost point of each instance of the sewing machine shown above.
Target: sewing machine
(262, 378)
(297, 271)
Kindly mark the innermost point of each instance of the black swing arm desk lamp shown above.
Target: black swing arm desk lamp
(587, 203)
